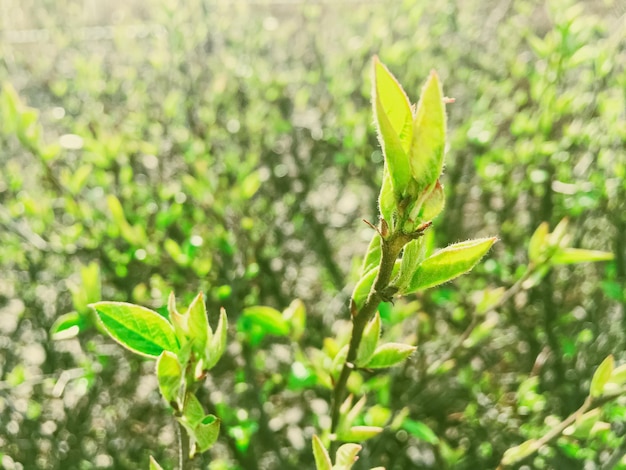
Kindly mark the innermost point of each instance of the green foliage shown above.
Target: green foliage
(243, 156)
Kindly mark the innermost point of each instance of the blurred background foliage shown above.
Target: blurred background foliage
(228, 147)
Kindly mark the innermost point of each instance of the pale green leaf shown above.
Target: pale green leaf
(394, 118)
(429, 134)
(601, 376)
(363, 287)
(538, 243)
(373, 255)
(206, 433)
(390, 355)
(359, 433)
(449, 263)
(154, 465)
(369, 341)
(413, 255)
(346, 456)
(386, 200)
(169, 375)
(67, 326)
(217, 345)
(138, 329)
(322, 459)
(576, 255)
(520, 452)
(198, 324)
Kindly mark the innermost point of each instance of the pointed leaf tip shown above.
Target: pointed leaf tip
(138, 329)
(449, 263)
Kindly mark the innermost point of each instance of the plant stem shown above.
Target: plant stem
(588, 405)
(183, 447)
(390, 250)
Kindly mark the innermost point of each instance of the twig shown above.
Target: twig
(391, 249)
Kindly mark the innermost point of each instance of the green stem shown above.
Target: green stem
(588, 405)
(183, 446)
(391, 248)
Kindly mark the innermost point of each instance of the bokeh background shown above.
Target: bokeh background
(229, 147)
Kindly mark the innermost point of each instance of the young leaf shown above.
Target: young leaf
(170, 376)
(154, 465)
(217, 345)
(433, 205)
(373, 254)
(67, 326)
(581, 429)
(394, 118)
(390, 355)
(420, 430)
(429, 134)
(268, 319)
(193, 413)
(346, 456)
(206, 433)
(198, 324)
(369, 341)
(601, 376)
(387, 200)
(538, 243)
(138, 329)
(520, 452)
(295, 315)
(363, 287)
(359, 433)
(414, 253)
(179, 321)
(322, 459)
(449, 263)
(576, 255)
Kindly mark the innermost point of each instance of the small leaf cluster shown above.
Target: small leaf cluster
(185, 347)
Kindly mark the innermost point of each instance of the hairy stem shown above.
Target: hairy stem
(391, 248)
(183, 447)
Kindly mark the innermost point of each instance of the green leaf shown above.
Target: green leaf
(206, 433)
(138, 329)
(390, 355)
(295, 315)
(154, 465)
(413, 255)
(420, 430)
(193, 413)
(67, 326)
(394, 118)
(179, 321)
(601, 376)
(576, 255)
(520, 452)
(9, 105)
(170, 377)
(386, 200)
(581, 429)
(268, 319)
(346, 456)
(322, 459)
(449, 263)
(198, 324)
(373, 255)
(429, 134)
(360, 433)
(217, 345)
(618, 376)
(363, 287)
(433, 205)
(369, 341)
